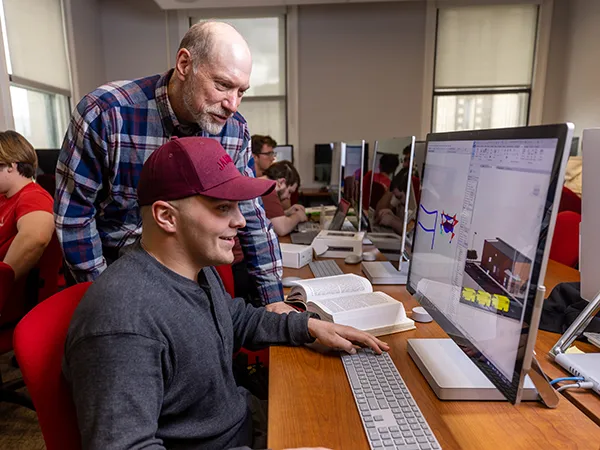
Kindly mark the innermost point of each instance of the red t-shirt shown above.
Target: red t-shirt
(272, 205)
(29, 199)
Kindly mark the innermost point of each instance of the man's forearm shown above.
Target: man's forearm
(23, 254)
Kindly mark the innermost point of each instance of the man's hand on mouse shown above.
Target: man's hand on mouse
(343, 337)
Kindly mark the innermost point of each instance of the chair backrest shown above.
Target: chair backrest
(226, 275)
(39, 341)
(378, 190)
(569, 201)
(7, 278)
(565, 243)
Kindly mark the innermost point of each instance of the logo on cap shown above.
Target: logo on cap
(224, 160)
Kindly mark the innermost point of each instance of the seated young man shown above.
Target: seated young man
(262, 153)
(287, 181)
(26, 217)
(389, 211)
(149, 350)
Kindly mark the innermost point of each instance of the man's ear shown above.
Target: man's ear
(184, 65)
(281, 183)
(165, 216)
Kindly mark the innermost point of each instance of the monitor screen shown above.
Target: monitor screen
(340, 215)
(284, 153)
(482, 229)
(323, 154)
(353, 158)
(389, 197)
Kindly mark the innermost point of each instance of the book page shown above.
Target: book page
(338, 285)
(352, 302)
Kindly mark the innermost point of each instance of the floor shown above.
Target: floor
(19, 429)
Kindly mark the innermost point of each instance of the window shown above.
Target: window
(38, 69)
(483, 66)
(265, 104)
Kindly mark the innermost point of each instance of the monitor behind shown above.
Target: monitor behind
(590, 214)
(47, 160)
(284, 153)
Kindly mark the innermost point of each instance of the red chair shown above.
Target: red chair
(17, 298)
(565, 243)
(226, 275)
(39, 342)
(569, 201)
(416, 185)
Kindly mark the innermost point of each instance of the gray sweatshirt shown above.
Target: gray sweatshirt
(148, 357)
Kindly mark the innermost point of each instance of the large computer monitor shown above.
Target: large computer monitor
(392, 204)
(323, 154)
(284, 153)
(589, 260)
(484, 228)
(353, 155)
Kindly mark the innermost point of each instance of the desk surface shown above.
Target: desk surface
(311, 403)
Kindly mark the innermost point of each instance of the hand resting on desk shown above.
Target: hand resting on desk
(343, 337)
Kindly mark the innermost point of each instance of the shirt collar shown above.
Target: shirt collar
(171, 124)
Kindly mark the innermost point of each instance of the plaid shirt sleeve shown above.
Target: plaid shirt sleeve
(258, 239)
(78, 181)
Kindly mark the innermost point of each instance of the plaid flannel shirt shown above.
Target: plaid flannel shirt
(112, 132)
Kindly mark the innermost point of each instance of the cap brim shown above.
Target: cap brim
(241, 188)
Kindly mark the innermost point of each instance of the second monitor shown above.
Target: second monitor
(389, 198)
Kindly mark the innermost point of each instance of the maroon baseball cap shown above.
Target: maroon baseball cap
(189, 166)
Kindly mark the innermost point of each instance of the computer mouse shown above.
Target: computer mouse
(369, 256)
(420, 315)
(289, 281)
(352, 259)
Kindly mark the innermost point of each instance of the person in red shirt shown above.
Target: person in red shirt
(388, 164)
(26, 218)
(288, 181)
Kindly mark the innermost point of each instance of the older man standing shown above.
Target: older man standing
(117, 127)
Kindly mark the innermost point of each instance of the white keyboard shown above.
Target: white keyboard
(390, 416)
(308, 226)
(594, 338)
(325, 268)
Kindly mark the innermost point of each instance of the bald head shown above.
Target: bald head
(212, 73)
(212, 42)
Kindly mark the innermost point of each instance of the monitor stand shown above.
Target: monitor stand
(453, 376)
(384, 272)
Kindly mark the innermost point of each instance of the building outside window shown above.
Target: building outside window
(483, 66)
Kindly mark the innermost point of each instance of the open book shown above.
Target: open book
(350, 300)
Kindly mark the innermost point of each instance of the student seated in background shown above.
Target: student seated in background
(387, 167)
(26, 218)
(287, 181)
(262, 153)
(406, 162)
(149, 350)
(389, 211)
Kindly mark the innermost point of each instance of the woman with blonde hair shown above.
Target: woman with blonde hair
(26, 218)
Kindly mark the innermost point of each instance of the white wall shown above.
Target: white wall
(88, 46)
(138, 38)
(573, 83)
(581, 103)
(360, 74)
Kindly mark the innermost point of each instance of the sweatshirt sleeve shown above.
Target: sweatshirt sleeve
(117, 383)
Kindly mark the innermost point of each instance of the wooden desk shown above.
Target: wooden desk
(311, 403)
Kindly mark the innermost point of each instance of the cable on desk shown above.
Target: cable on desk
(581, 385)
(557, 380)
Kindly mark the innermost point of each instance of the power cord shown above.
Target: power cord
(581, 385)
(558, 380)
